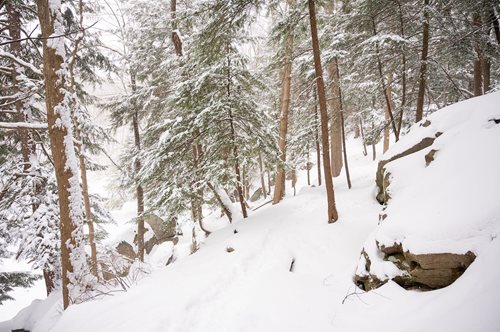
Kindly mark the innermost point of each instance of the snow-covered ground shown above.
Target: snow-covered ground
(290, 270)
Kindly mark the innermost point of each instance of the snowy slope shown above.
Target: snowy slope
(253, 289)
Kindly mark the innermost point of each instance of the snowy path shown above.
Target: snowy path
(251, 288)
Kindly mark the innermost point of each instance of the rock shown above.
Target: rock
(422, 271)
(256, 195)
(382, 178)
(429, 157)
(126, 249)
(442, 260)
(229, 249)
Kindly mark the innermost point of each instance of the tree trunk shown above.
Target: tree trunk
(261, 171)
(233, 140)
(386, 113)
(365, 153)
(403, 68)
(137, 168)
(335, 122)
(348, 176)
(86, 203)
(478, 62)
(423, 64)
(382, 81)
(63, 152)
(286, 77)
(332, 210)
(176, 39)
(80, 149)
(316, 126)
(308, 167)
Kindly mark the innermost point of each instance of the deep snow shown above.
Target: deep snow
(253, 289)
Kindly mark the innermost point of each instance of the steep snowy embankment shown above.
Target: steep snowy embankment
(291, 271)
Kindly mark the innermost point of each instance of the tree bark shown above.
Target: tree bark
(286, 77)
(318, 149)
(478, 62)
(342, 125)
(382, 81)
(335, 122)
(332, 210)
(423, 64)
(386, 113)
(81, 156)
(261, 171)
(233, 140)
(63, 152)
(137, 169)
(365, 153)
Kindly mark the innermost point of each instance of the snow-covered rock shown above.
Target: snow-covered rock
(441, 184)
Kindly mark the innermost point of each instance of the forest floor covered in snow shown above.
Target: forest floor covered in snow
(284, 268)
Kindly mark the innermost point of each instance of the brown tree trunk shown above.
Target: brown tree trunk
(403, 68)
(261, 171)
(332, 210)
(233, 140)
(423, 64)
(308, 167)
(286, 77)
(83, 169)
(137, 168)
(61, 142)
(386, 113)
(335, 122)
(318, 149)
(176, 40)
(344, 147)
(86, 203)
(365, 153)
(382, 81)
(478, 62)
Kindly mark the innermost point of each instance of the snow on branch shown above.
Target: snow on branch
(23, 125)
(21, 62)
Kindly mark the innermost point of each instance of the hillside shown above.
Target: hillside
(289, 270)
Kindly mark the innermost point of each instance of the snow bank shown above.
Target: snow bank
(451, 205)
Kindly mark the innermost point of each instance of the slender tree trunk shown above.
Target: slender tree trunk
(335, 122)
(348, 176)
(308, 167)
(80, 149)
(332, 210)
(233, 140)
(63, 153)
(423, 64)
(286, 77)
(386, 113)
(382, 81)
(294, 181)
(478, 62)
(403, 68)
(137, 169)
(224, 207)
(269, 185)
(318, 149)
(261, 171)
(365, 153)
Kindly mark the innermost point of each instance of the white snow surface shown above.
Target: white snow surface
(452, 205)
(253, 288)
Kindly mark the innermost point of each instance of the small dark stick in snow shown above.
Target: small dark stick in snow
(292, 265)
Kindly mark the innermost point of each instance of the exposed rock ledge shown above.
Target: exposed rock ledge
(418, 271)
